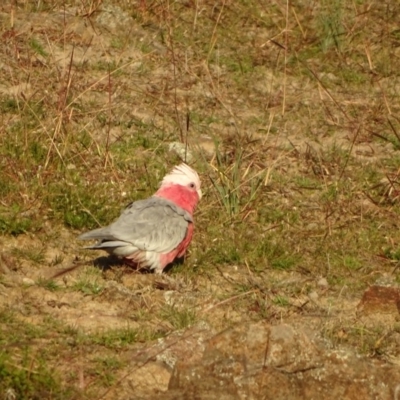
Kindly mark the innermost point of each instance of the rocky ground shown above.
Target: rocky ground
(290, 289)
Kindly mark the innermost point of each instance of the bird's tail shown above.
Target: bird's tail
(96, 234)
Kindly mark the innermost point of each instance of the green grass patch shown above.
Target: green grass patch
(122, 338)
(29, 377)
(177, 317)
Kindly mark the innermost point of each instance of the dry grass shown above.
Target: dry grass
(291, 113)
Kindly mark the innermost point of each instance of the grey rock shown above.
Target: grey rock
(259, 361)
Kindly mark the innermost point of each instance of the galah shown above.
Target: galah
(152, 233)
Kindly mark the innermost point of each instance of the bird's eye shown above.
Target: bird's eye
(192, 185)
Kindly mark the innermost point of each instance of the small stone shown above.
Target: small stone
(322, 283)
(313, 296)
(28, 281)
(114, 18)
(380, 300)
(170, 297)
(181, 150)
(386, 280)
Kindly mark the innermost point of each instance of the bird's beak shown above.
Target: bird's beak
(200, 194)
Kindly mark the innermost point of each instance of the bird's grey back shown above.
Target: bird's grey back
(153, 224)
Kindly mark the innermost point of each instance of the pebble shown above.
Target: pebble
(323, 283)
(313, 296)
(181, 150)
(28, 281)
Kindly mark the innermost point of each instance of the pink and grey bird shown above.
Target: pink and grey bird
(152, 233)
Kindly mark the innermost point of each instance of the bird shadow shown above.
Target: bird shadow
(105, 263)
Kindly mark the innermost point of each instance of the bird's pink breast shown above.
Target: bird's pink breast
(179, 251)
(186, 199)
(180, 195)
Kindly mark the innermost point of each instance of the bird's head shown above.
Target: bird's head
(185, 176)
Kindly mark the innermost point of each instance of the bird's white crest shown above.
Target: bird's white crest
(182, 175)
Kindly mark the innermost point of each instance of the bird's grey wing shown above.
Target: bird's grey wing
(153, 224)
